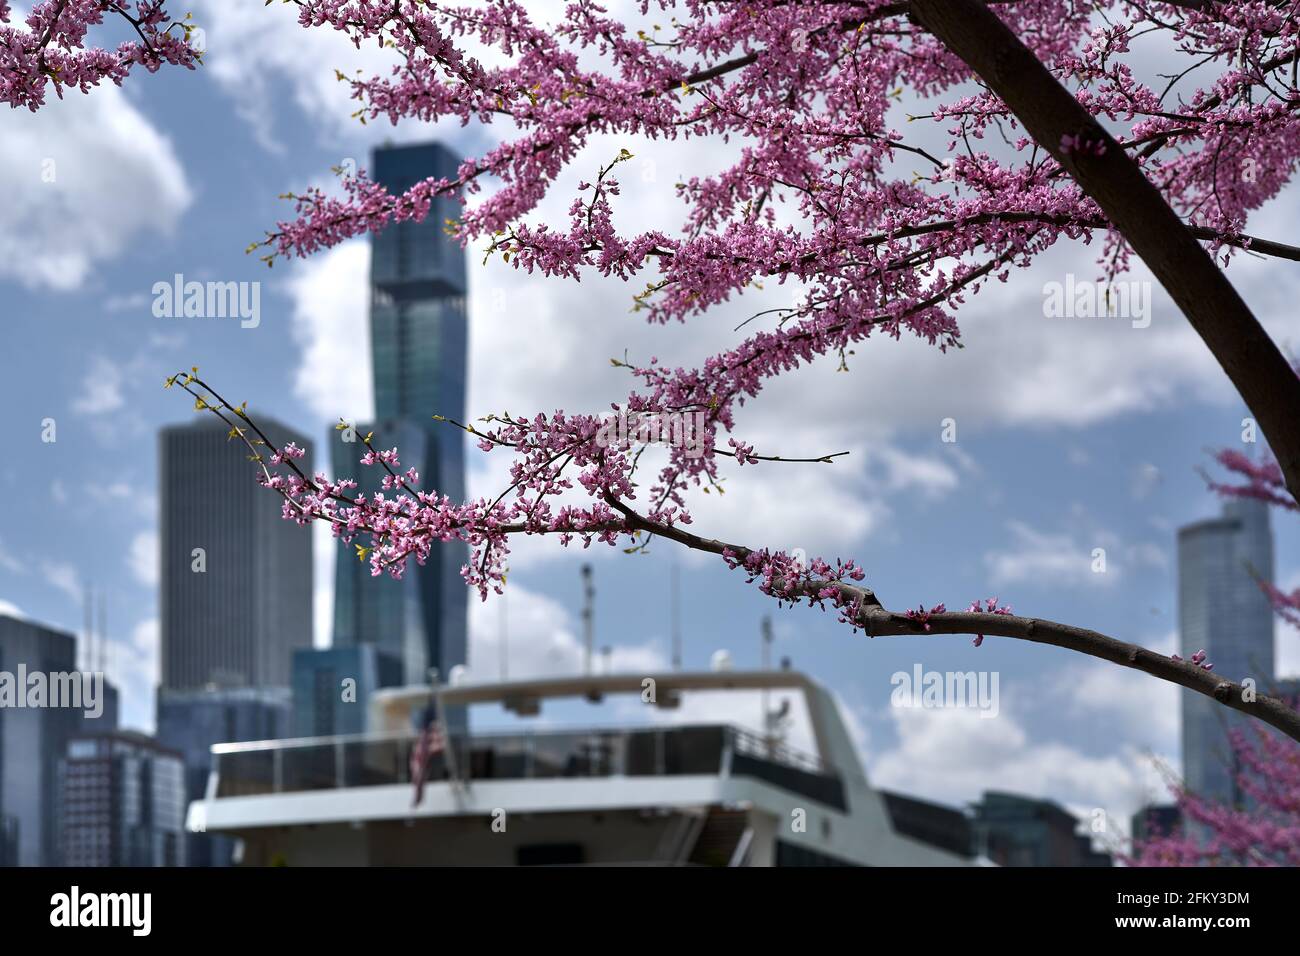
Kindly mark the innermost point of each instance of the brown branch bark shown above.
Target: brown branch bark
(878, 621)
(1254, 364)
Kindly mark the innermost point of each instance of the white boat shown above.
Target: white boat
(668, 794)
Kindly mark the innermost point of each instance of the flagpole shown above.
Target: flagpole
(449, 746)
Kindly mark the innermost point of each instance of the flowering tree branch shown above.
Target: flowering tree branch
(1266, 768)
(1070, 132)
(407, 524)
(873, 233)
(52, 49)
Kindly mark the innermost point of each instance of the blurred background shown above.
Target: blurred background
(1003, 468)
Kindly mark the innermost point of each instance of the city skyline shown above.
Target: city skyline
(1115, 420)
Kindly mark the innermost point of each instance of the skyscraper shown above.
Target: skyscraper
(191, 721)
(236, 577)
(1222, 609)
(33, 739)
(122, 799)
(322, 704)
(236, 595)
(418, 338)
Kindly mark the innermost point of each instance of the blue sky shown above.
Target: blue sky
(1072, 434)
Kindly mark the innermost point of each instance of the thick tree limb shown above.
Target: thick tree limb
(877, 621)
(1254, 364)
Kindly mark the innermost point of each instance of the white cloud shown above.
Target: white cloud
(1063, 558)
(143, 557)
(330, 323)
(1146, 478)
(1140, 708)
(120, 493)
(931, 476)
(825, 510)
(1042, 557)
(86, 178)
(64, 577)
(9, 562)
(258, 54)
(541, 640)
(955, 755)
(101, 392)
(133, 666)
(9, 609)
(324, 555)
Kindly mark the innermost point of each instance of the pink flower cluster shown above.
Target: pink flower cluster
(922, 616)
(1262, 480)
(52, 49)
(828, 193)
(991, 606)
(1267, 833)
(1197, 659)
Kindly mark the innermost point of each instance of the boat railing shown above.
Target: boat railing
(328, 763)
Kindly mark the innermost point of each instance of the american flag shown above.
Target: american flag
(430, 742)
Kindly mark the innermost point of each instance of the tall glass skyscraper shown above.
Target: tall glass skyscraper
(418, 333)
(1222, 609)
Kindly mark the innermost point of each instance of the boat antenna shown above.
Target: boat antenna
(83, 652)
(588, 599)
(504, 636)
(103, 634)
(767, 665)
(675, 611)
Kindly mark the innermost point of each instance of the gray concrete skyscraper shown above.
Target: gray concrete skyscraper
(236, 581)
(236, 596)
(1222, 609)
(418, 333)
